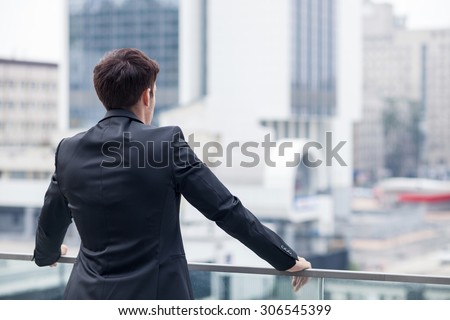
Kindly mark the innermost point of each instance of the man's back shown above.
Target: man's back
(117, 179)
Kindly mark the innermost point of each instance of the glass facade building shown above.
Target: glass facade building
(313, 53)
(96, 27)
(313, 59)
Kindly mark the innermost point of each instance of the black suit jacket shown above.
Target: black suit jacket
(121, 182)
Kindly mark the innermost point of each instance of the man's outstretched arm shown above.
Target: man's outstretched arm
(206, 193)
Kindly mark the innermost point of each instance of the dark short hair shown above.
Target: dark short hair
(122, 75)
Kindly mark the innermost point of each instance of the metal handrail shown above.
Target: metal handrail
(313, 273)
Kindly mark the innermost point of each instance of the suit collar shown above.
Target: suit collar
(120, 113)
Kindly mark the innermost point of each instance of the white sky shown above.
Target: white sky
(422, 14)
(33, 29)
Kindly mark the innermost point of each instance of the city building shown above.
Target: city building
(29, 116)
(394, 74)
(28, 103)
(159, 28)
(436, 54)
(405, 106)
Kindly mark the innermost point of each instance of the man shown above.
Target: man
(121, 182)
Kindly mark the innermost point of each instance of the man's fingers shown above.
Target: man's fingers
(304, 281)
(298, 282)
(64, 249)
(295, 282)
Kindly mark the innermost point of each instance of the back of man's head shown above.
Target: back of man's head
(122, 75)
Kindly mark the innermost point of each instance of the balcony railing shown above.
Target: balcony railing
(214, 281)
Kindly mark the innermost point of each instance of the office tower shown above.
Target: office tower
(313, 75)
(405, 109)
(96, 27)
(436, 97)
(28, 103)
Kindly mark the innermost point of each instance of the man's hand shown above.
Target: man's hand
(63, 253)
(298, 281)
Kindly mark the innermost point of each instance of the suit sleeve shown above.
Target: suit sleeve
(204, 191)
(53, 222)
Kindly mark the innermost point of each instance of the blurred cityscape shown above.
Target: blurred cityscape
(347, 74)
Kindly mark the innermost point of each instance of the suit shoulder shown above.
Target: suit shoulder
(169, 129)
(74, 139)
(77, 136)
(168, 132)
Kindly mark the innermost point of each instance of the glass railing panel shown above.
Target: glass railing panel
(20, 278)
(348, 289)
(24, 280)
(243, 286)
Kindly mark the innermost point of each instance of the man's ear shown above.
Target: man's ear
(145, 97)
